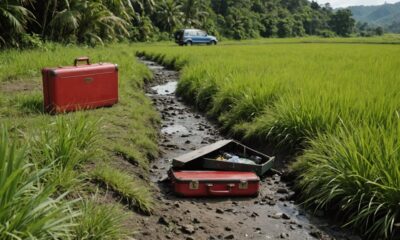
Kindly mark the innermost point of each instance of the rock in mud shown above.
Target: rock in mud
(254, 214)
(188, 229)
(316, 234)
(163, 221)
(284, 235)
(282, 191)
(196, 221)
(220, 211)
(230, 236)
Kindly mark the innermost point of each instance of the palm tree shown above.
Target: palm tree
(14, 17)
(90, 21)
(169, 15)
(195, 13)
(144, 7)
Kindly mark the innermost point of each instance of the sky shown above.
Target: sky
(346, 3)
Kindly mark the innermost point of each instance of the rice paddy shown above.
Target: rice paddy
(335, 104)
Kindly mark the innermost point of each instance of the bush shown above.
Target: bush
(326, 33)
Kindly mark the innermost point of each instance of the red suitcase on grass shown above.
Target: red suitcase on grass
(79, 87)
(214, 183)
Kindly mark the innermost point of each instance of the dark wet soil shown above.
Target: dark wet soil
(271, 215)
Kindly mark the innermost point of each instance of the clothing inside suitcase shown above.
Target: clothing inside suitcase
(209, 157)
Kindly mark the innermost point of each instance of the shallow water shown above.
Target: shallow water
(166, 89)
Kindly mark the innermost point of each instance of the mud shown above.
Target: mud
(11, 87)
(272, 215)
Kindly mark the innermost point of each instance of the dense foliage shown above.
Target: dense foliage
(26, 23)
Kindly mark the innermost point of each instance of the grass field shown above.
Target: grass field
(336, 103)
(67, 180)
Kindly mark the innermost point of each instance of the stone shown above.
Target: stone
(282, 190)
(230, 236)
(220, 211)
(284, 235)
(316, 234)
(196, 221)
(163, 221)
(277, 216)
(254, 214)
(188, 229)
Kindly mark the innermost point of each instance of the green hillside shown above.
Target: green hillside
(386, 15)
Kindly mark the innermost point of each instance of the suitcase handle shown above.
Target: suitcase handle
(81, 59)
(220, 192)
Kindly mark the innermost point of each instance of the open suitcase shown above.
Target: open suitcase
(80, 87)
(214, 183)
(205, 158)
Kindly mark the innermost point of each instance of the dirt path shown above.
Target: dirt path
(272, 215)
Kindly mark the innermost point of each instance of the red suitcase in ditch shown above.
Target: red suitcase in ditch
(214, 183)
(79, 87)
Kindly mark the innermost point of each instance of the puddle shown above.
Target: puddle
(175, 129)
(166, 89)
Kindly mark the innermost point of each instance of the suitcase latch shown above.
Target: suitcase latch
(194, 185)
(88, 80)
(243, 185)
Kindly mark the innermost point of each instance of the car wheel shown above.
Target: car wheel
(213, 43)
(189, 43)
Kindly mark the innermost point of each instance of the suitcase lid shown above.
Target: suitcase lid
(183, 176)
(82, 69)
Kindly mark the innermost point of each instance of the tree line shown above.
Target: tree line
(26, 23)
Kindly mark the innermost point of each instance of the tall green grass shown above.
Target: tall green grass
(296, 95)
(28, 209)
(71, 145)
(100, 221)
(65, 144)
(358, 170)
(129, 189)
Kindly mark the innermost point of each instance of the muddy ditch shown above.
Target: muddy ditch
(274, 214)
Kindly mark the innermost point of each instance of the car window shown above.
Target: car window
(201, 33)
